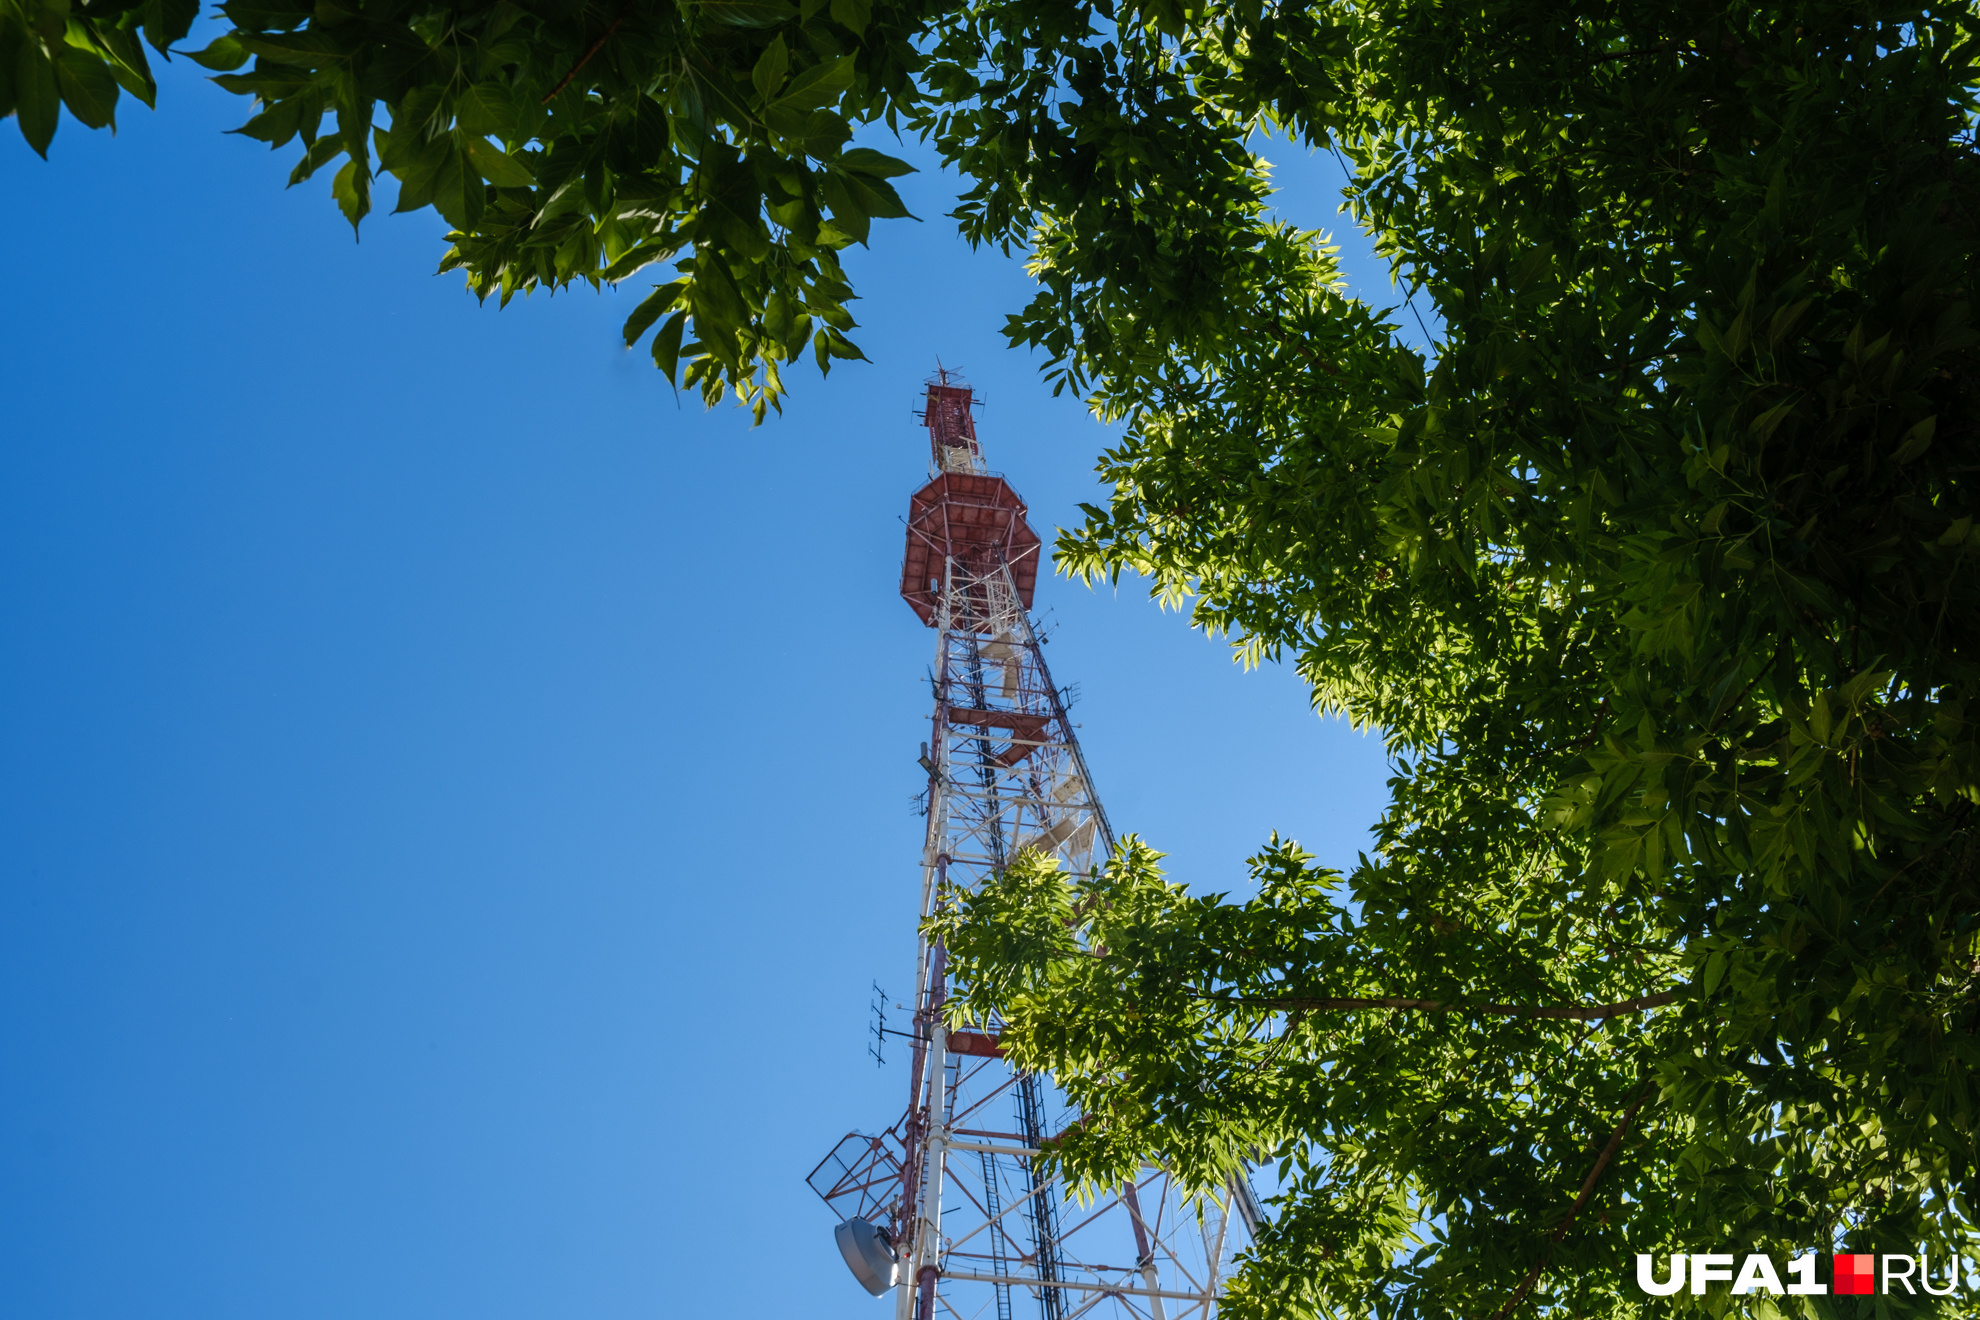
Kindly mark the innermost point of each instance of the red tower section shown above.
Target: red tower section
(965, 513)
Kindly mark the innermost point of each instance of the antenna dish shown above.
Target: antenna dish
(869, 1254)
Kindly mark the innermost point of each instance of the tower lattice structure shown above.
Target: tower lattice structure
(947, 1208)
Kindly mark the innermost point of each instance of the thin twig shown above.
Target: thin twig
(1562, 1057)
(1293, 341)
(1278, 1046)
(1772, 660)
(1929, 852)
(1575, 1012)
(585, 58)
(1595, 731)
(1668, 48)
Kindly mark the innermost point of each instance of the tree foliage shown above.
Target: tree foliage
(1658, 575)
(1658, 581)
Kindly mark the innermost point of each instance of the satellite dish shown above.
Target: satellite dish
(869, 1254)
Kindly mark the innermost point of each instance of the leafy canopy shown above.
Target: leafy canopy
(1658, 576)
(1659, 582)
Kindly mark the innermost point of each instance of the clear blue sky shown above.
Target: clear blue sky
(455, 794)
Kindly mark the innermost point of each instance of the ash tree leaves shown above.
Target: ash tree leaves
(1657, 580)
(56, 54)
(588, 142)
(591, 143)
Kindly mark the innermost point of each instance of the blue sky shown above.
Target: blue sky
(456, 794)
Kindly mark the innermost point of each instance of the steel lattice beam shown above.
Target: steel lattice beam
(1005, 771)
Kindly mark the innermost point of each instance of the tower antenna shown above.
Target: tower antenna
(948, 1208)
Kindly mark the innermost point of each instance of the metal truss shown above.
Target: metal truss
(976, 1229)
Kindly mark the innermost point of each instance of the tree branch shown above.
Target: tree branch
(1574, 1012)
(1726, 713)
(585, 58)
(1595, 730)
(1587, 1190)
(1668, 48)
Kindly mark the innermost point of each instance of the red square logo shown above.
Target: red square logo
(1856, 1274)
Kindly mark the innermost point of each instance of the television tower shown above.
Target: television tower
(946, 1209)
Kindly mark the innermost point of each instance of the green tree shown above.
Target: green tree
(1658, 575)
(1658, 581)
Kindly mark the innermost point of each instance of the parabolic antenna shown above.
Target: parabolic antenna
(869, 1255)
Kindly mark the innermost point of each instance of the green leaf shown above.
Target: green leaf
(650, 309)
(854, 14)
(37, 100)
(167, 21)
(272, 15)
(127, 63)
(1764, 425)
(876, 197)
(1715, 971)
(1916, 440)
(768, 75)
(11, 36)
(820, 85)
(1785, 320)
(419, 112)
(352, 189)
(321, 152)
(222, 54)
(865, 160)
(444, 180)
(848, 212)
(484, 110)
(88, 87)
(822, 132)
(276, 125)
(667, 345)
(315, 48)
(742, 13)
(503, 171)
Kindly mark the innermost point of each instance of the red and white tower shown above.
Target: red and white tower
(946, 1208)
